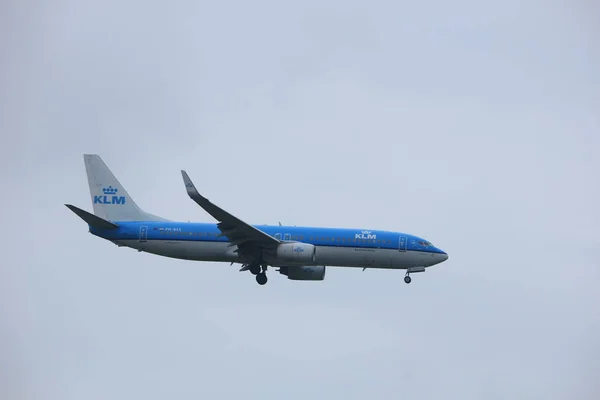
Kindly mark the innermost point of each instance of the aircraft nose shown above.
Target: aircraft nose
(443, 256)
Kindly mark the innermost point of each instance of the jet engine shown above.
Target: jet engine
(296, 253)
(308, 273)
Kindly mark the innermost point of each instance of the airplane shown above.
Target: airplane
(300, 253)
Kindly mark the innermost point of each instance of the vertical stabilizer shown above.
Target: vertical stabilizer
(109, 198)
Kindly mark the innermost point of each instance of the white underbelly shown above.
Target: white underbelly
(370, 258)
(325, 255)
(186, 250)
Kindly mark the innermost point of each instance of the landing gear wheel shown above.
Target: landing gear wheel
(407, 279)
(255, 269)
(261, 278)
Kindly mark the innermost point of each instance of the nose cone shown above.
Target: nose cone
(441, 256)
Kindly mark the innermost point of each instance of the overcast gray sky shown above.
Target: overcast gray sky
(473, 124)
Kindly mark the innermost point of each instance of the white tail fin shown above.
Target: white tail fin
(109, 198)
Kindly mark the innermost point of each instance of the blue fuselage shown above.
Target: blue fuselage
(335, 247)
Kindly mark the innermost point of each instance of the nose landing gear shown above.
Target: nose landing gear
(413, 270)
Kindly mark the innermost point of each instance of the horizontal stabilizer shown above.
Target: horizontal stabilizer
(92, 219)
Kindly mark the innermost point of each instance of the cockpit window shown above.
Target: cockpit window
(424, 243)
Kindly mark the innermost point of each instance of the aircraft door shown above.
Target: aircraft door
(287, 236)
(143, 233)
(402, 243)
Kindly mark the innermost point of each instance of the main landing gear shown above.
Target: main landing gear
(255, 269)
(260, 272)
(261, 278)
(407, 278)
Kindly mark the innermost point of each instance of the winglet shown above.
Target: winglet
(189, 185)
(92, 219)
(229, 225)
(202, 201)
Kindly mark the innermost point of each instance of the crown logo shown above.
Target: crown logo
(110, 190)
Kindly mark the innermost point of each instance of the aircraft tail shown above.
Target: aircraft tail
(109, 198)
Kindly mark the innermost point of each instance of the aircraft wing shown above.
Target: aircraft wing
(250, 241)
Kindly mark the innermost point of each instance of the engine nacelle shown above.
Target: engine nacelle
(308, 273)
(296, 253)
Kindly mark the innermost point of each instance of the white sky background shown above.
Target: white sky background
(472, 124)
